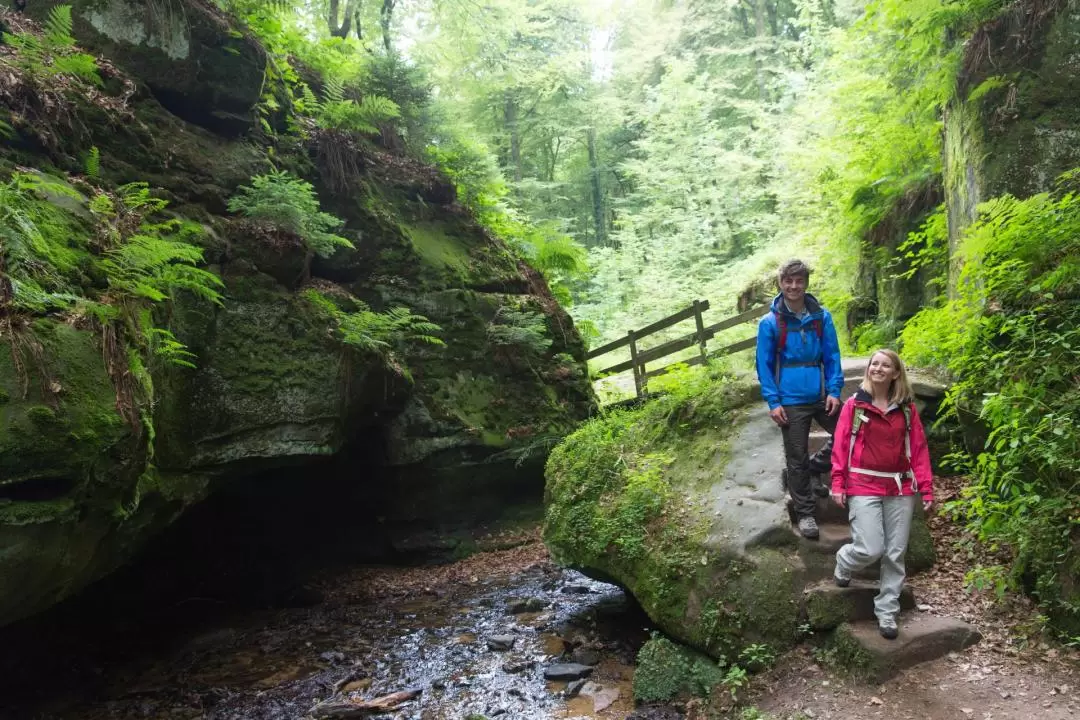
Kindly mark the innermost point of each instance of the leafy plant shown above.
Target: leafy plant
(338, 112)
(1011, 338)
(372, 332)
(53, 52)
(290, 204)
(519, 330)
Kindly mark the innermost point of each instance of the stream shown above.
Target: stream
(468, 639)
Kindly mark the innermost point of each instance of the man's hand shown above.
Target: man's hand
(779, 415)
(839, 498)
(832, 405)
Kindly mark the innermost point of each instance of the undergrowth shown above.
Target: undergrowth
(1011, 338)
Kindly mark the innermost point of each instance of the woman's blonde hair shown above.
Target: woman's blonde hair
(900, 391)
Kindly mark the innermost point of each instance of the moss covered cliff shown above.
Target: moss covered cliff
(109, 428)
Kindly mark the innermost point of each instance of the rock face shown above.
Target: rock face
(681, 503)
(1019, 136)
(185, 51)
(434, 434)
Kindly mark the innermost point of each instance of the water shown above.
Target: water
(369, 632)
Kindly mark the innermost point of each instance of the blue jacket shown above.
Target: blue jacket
(800, 375)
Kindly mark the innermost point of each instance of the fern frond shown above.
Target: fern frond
(58, 28)
(93, 162)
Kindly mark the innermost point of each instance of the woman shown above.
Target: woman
(880, 464)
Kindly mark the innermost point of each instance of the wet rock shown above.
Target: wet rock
(602, 697)
(567, 671)
(584, 656)
(576, 589)
(501, 643)
(516, 666)
(657, 712)
(517, 606)
(333, 656)
(573, 688)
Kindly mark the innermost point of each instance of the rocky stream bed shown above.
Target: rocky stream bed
(474, 638)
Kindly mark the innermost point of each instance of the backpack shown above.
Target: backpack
(782, 327)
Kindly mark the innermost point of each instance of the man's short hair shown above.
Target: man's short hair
(791, 268)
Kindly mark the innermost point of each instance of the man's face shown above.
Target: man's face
(794, 288)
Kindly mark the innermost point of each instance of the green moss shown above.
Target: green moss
(34, 513)
(666, 671)
(437, 247)
(41, 415)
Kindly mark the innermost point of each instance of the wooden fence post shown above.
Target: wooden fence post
(633, 360)
(700, 329)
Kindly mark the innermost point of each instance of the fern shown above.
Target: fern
(519, 329)
(290, 204)
(93, 162)
(152, 265)
(373, 332)
(54, 53)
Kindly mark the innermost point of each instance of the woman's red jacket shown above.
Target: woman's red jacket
(879, 445)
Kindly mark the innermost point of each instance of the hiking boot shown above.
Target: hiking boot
(808, 528)
(888, 629)
(840, 579)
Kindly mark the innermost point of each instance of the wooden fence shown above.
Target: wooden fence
(700, 336)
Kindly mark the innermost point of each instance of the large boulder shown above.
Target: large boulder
(680, 502)
(190, 55)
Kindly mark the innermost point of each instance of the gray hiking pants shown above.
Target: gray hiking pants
(796, 443)
(880, 527)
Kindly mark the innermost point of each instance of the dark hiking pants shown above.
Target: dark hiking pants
(796, 444)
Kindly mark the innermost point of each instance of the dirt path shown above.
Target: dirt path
(1013, 674)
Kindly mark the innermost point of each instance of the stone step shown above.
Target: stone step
(827, 606)
(826, 511)
(832, 536)
(860, 647)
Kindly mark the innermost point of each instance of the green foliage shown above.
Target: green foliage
(373, 332)
(92, 164)
(53, 52)
(41, 264)
(1012, 340)
(666, 671)
(290, 204)
(524, 330)
(338, 112)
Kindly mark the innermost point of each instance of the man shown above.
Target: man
(798, 366)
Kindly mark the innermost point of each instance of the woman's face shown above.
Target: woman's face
(882, 369)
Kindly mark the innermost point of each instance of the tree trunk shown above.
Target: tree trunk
(510, 117)
(352, 11)
(386, 15)
(597, 190)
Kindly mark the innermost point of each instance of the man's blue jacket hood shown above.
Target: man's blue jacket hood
(806, 363)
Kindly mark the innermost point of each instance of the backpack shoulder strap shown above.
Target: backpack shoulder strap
(781, 342)
(782, 328)
(907, 431)
(856, 422)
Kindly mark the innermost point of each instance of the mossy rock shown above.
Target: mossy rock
(646, 498)
(194, 61)
(71, 505)
(680, 502)
(666, 671)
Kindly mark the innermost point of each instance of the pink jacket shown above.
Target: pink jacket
(879, 447)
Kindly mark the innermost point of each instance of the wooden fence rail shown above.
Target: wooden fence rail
(700, 337)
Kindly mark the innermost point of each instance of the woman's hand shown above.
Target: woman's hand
(839, 498)
(927, 505)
